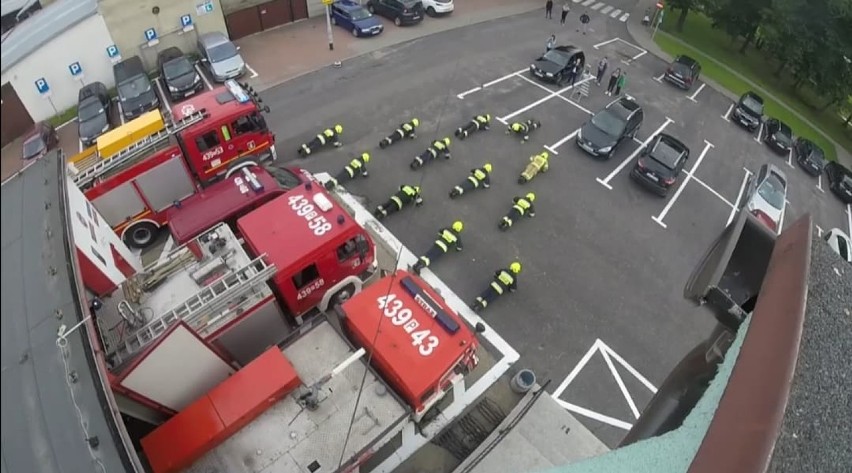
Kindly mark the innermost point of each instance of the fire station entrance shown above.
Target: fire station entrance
(17, 119)
(264, 16)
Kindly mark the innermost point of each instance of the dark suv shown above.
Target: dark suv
(683, 72)
(93, 112)
(777, 135)
(135, 93)
(608, 128)
(660, 164)
(179, 75)
(809, 156)
(840, 181)
(402, 12)
(748, 112)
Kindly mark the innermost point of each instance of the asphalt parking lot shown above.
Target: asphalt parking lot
(599, 309)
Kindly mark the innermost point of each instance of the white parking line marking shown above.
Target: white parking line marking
(790, 158)
(819, 183)
(615, 13)
(588, 2)
(783, 214)
(728, 113)
(163, 95)
(819, 230)
(468, 92)
(576, 371)
(253, 72)
(849, 218)
(563, 140)
(577, 1)
(637, 140)
(80, 142)
(545, 99)
(553, 151)
(605, 181)
(597, 46)
(638, 55)
(660, 79)
(620, 383)
(593, 415)
(120, 112)
(659, 218)
(589, 112)
(759, 133)
(606, 10)
(598, 6)
(633, 371)
(713, 191)
(624, 18)
(167, 248)
(489, 84)
(692, 97)
(739, 196)
(203, 77)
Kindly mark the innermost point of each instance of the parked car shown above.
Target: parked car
(40, 139)
(840, 181)
(660, 164)
(683, 72)
(766, 197)
(402, 12)
(555, 65)
(221, 56)
(438, 7)
(777, 135)
(618, 121)
(179, 74)
(809, 156)
(840, 243)
(748, 112)
(135, 93)
(354, 18)
(94, 112)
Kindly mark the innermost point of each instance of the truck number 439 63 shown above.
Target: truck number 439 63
(316, 222)
(401, 316)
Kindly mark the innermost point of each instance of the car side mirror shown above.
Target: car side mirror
(204, 59)
(238, 48)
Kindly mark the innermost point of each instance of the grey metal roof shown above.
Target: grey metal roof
(816, 429)
(42, 423)
(43, 26)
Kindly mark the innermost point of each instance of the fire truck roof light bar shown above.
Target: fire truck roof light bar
(256, 185)
(238, 92)
(323, 202)
(428, 304)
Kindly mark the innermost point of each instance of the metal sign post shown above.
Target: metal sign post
(657, 26)
(327, 4)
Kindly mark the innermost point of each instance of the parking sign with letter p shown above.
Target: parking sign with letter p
(75, 69)
(42, 87)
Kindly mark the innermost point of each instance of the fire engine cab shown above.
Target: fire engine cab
(137, 172)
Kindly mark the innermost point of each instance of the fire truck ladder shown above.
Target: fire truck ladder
(91, 170)
(215, 298)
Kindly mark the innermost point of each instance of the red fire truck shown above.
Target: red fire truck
(137, 172)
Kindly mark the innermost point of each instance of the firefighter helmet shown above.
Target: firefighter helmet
(458, 226)
(545, 155)
(488, 117)
(487, 167)
(415, 122)
(515, 267)
(530, 197)
(338, 129)
(446, 141)
(365, 157)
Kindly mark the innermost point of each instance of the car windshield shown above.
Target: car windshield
(135, 87)
(784, 133)
(360, 14)
(772, 191)
(752, 105)
(33, 146)
(680, 68)
(666, 154)
(817, 155)
(177, 67)
(223, 52)
(608, 122)
(89, 110)
(846, 182)
(555, 57)
(842, 247)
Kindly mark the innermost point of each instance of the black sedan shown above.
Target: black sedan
(683, 72)
(556, 65)
(840, 181)
(610, 127)
(179, 75)
(748, 112)
(402, 12)
(809, 156)
(660, 164)
(777, 135)
(93, 112)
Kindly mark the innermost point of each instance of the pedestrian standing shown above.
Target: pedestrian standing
(584, 20)
(548, 9)
(551, 42)
(565, 9)
(575, 71)
(602, 65)
(621, 83)
(613, 79)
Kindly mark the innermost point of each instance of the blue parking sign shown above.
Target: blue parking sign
(150, 35)
(75, 68)
(186, 20)
(41, 86)
(112, 51)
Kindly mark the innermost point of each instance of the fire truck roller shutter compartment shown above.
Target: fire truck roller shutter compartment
(119, 203)
(165, 184)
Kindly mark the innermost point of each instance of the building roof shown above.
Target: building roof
(42, 27)
(42, 422)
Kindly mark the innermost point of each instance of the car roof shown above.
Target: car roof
(753, 95)
(347, 5)
(673, 142)
(214, 38)
(684, 59)
(773, 169)
(90, 90)
(624, 106)
(169, 54)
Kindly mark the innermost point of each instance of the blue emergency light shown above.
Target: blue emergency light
(428, 304)
(256, 185)
(238, 92)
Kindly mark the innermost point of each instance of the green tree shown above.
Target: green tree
(684, 6)
(739, 18)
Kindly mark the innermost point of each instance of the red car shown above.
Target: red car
(41, 139)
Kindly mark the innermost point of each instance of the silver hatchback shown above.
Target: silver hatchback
(766, 198)
(221, 56)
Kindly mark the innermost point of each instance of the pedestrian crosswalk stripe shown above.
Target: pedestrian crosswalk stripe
(606, 10)
(598, 6)
(615, 14)
(588, 2)
(624, 18)
(577, 1)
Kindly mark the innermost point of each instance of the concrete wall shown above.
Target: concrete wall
(128, 20)
(86, 43)
(316, 8)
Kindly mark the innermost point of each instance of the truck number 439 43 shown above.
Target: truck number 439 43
(401, 316)
(316, 222)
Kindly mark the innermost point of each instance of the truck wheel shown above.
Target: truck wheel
(342, 295)
(236, 167)
(141, 235)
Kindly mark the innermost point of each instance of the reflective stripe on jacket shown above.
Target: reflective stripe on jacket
(522, 205)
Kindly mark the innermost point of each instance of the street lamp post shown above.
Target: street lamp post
(328, 24)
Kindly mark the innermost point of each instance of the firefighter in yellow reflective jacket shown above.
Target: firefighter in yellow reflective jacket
(448, 238)
(479, 178)
(439, 149)
(523, 129)
(330, 135)
(358, 165)
(477, 123)
(538, 163)
(522, 206)
(406, 195)
(504, 280)
(406, 130)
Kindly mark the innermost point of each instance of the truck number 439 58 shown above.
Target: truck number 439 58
(401, 316)
(316, 222)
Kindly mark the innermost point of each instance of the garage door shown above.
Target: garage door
(300, 9)
(16, 119)
(243, 23)
(274, 14)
